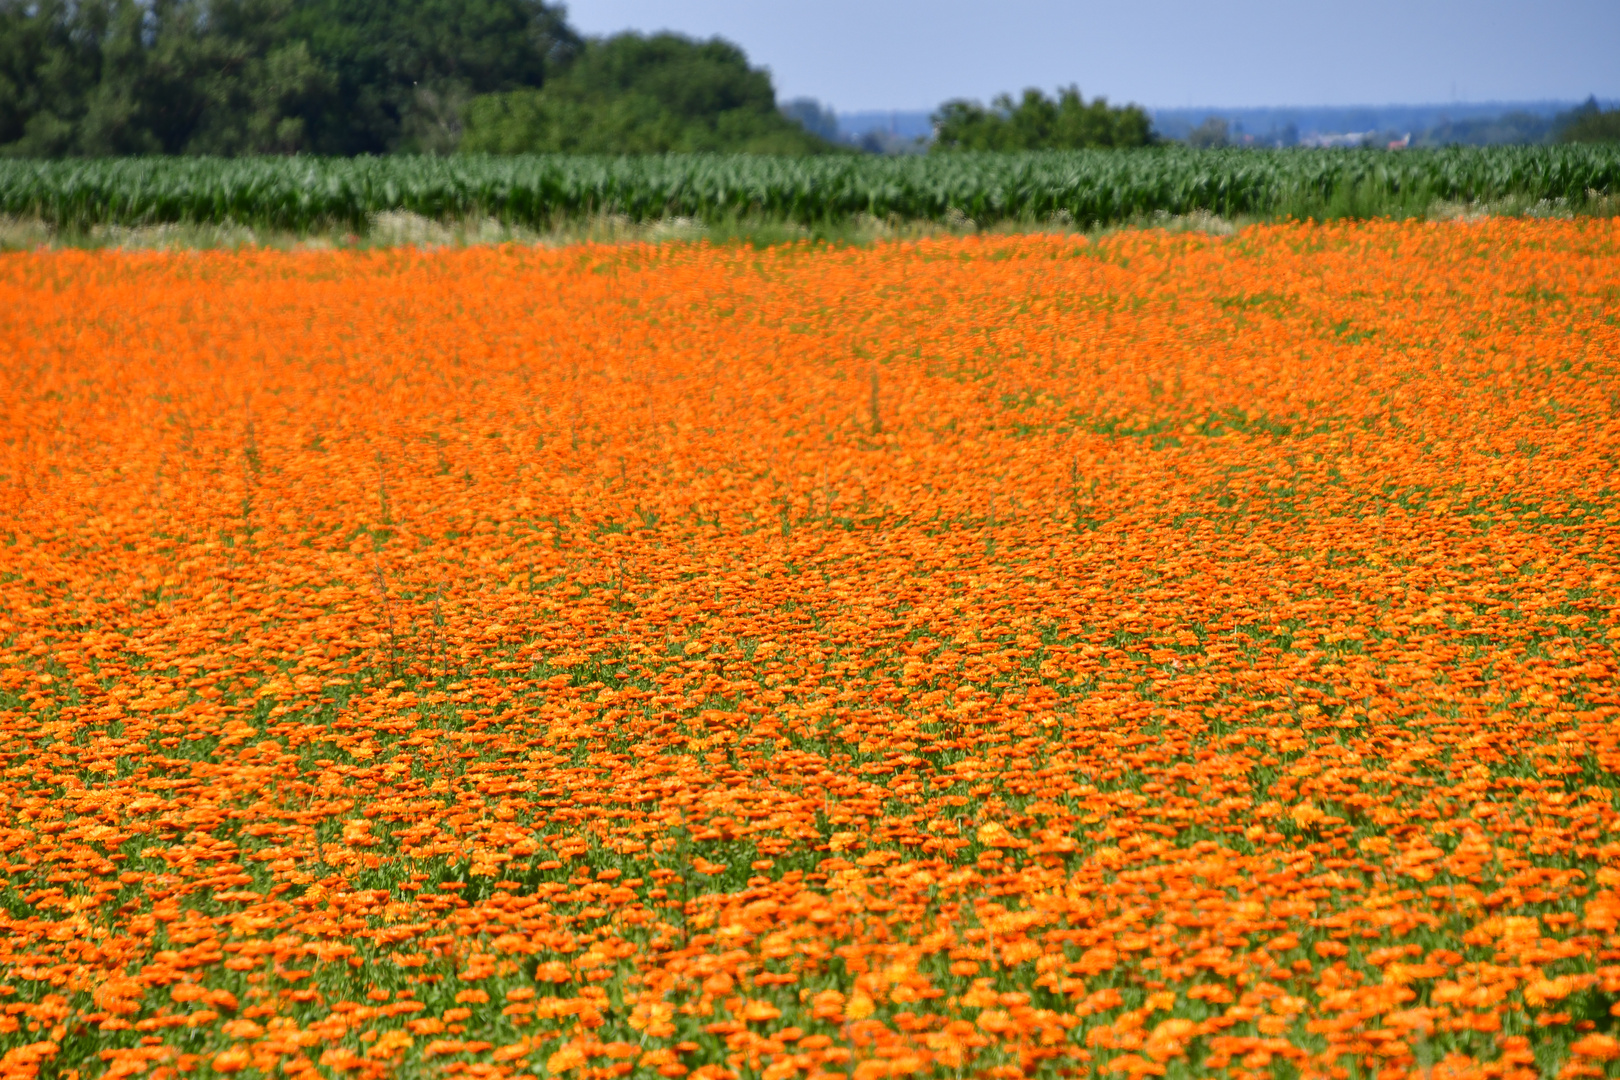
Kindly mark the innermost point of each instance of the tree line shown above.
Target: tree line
(1588, 123)
(112, 78)
(346, 77)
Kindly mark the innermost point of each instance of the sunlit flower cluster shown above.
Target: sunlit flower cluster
(1152, 655)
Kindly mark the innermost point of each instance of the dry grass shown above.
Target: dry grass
(403, 229)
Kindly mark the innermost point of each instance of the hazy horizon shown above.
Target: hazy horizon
(908, 56)
(1303, 106)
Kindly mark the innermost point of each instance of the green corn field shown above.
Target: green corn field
(1083, 187)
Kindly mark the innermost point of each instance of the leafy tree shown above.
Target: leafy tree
(48, 68)
(404, 69)
(635, 94)
(1037, 122)
(167, 76)
(1589, 123)
(118, 77)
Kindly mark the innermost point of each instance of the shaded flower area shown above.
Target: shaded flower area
(1157, 655)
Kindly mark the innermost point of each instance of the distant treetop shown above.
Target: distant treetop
(819, 120)
(1589, 123)
(1037, 122)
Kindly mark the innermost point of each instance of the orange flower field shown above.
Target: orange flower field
(1155, 655)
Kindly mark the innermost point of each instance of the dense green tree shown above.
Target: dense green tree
(48, 69)
(168, 76)
(115, 77)
(635, 94)
(404, 69)
(1037, 122)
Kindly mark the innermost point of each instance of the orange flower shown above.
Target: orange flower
(973, 654)
(1595, 1045)
(757, 1011)
(569, 1057)
(230, 1061)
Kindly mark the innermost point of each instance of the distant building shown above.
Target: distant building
(1335, 138)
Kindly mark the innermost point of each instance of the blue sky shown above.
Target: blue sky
(913, 54)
